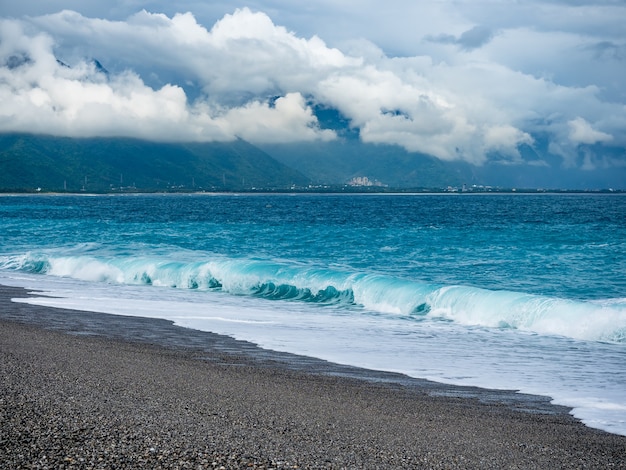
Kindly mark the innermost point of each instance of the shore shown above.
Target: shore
(85, 390)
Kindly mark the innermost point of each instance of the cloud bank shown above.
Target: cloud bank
(41, 93)
(172, 78)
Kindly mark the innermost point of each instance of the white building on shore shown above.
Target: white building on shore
(363, 181)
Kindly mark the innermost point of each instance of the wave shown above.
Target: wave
(373, 293)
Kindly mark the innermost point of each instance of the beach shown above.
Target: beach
(85, 390)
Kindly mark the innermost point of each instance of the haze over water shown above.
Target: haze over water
(524, 292)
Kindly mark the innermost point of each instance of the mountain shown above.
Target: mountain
(52, 163)
(337, 162)
(28, 162)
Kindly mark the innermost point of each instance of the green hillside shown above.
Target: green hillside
(28, 162)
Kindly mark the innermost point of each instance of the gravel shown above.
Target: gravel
(70, 400)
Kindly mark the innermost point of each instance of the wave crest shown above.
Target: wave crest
(597, 321)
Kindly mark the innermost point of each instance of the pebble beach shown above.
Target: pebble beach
(85, 390)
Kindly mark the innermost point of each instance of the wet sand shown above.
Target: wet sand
(85, 390)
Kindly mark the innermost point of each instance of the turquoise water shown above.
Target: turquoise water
(510, 291)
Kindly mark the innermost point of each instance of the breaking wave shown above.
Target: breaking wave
(471, 306)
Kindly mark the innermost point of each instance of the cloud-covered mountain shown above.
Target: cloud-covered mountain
(347, 157)
(509, 86)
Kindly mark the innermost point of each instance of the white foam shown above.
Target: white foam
(587, 376)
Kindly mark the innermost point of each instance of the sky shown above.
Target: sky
(456, 79)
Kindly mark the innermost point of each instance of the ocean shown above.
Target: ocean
(520, 292)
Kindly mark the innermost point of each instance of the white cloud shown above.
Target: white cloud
(289, 120)
(40, 94)
(581, 132)
(485, 90)
(506, 139)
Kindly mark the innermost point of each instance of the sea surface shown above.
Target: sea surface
(503, 291)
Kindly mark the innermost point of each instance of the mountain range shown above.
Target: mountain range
(50, 163)
(338, 161)
(39, 162)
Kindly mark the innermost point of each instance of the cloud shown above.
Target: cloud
(42, 94)
(476, 37)
(471, 39)
(581, 132)
(506, 139)
(244, 53)
(609, 50)
(244, 75)
(288, 120)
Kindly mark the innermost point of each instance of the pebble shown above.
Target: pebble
(77, 402)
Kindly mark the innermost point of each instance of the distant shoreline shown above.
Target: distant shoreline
(335, 191)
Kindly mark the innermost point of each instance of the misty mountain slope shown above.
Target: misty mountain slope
(100, 164)
(340, 161)
(337, 162)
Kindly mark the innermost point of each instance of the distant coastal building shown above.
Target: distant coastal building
(364, 181)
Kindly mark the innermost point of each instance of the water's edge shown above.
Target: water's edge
(229, 351)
